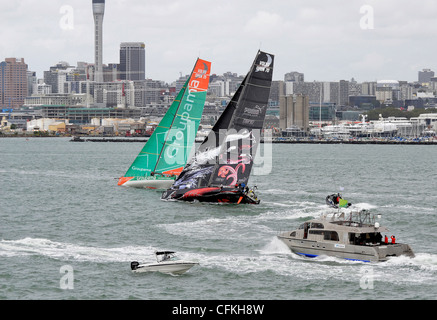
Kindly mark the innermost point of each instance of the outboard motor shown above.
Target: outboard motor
(134, 265)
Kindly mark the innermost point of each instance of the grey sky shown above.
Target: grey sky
(321, 38)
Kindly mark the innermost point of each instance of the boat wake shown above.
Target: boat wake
(68, 251)
(363, 206)
(273, 257)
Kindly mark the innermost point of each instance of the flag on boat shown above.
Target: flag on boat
(343, 203)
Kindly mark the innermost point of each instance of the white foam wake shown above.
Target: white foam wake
(68, 251)
(272, 257)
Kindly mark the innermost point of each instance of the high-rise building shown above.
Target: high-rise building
(54, 76)
(32, 82)
(368, 88)
(343, 92)
(425, 76)
(13, 83)
(98, 12)
(132, 61)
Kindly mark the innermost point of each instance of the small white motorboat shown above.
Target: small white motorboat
(167, 262)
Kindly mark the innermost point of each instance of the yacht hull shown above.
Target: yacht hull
(310, 248)
(148, 182)
(175, 267)
(213, 195)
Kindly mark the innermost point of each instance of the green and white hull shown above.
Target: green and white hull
(150, 182)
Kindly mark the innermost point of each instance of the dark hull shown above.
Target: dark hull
(212, 195)
(331, 200)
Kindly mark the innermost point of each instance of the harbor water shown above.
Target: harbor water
(68, 231)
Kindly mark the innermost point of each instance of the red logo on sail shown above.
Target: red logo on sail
(230, 173)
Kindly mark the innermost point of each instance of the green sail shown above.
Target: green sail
(167, 150)
(147, 159)
(181, 136)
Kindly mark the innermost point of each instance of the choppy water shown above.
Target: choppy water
(61, 208)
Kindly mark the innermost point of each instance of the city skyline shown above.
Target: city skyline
(325, 40)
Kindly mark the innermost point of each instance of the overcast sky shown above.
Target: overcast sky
(327, 40)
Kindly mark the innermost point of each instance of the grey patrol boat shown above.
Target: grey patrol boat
(353, 236)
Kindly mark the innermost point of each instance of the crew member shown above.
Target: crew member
(385, 239)
(393, 239)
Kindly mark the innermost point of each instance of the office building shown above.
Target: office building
(32, 82)
(13, 83)
(132, 61)
(425, 76)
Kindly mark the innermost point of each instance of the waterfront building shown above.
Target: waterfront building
(13, 83)
(294, 112)
(83, 115)
(68, 99)
(429, 120)
(322, 112)
(19, 117)
(348, 115)
(43, 124)
(132, 61)
(364, 102)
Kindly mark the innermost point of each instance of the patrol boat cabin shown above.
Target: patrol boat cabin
(353, 236)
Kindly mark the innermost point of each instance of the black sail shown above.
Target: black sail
(225, 158)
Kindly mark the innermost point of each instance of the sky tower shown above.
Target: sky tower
(98, 12)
